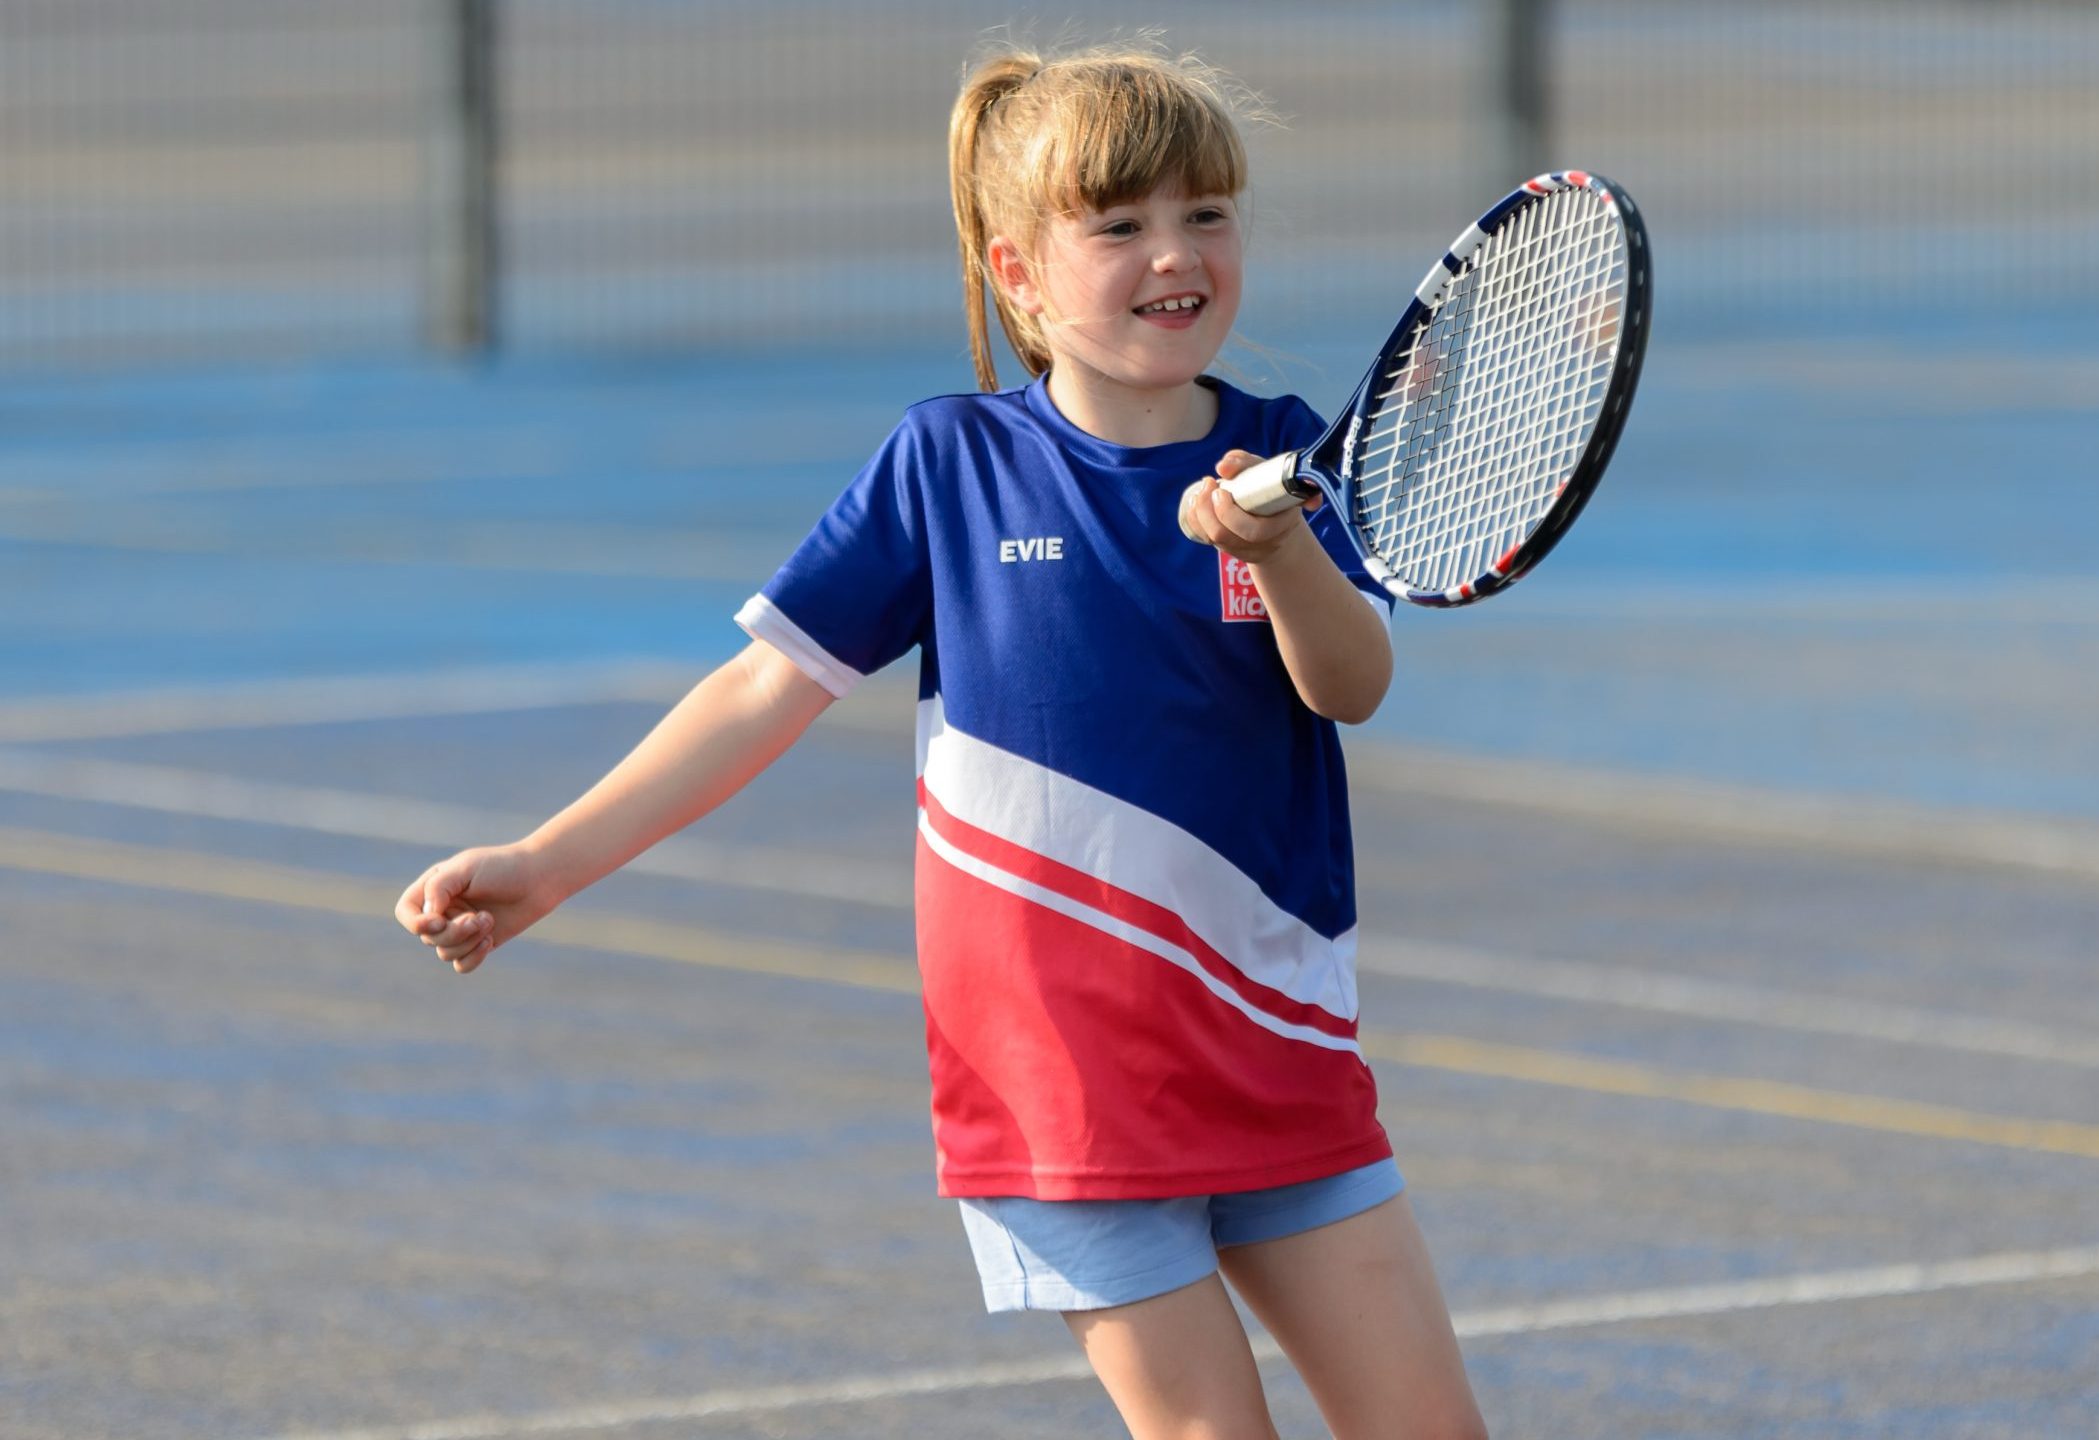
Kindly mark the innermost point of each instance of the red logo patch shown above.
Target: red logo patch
(1235, 581)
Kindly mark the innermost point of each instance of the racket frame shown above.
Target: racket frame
(1328, 465)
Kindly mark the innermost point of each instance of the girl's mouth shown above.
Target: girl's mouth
(1175, 312)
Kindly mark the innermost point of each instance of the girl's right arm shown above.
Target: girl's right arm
(731, 726)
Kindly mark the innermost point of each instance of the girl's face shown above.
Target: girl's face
(1142, 294)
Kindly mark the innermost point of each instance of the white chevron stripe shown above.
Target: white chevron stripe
(1134, 850)
(1129, 934)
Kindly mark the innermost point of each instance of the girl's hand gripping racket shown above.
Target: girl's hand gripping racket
(1492, 410)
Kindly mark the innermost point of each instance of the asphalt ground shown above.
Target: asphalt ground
(1729, 893)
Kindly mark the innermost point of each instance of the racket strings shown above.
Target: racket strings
(1483, 416)
(1464, 503)
(1521, 409)
(1489, 306)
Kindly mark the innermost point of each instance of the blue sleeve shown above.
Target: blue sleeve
(1297, 427)
(857, 592)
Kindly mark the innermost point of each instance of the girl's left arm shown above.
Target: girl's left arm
(1335, 643)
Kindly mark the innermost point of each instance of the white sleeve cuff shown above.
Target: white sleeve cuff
(765, 621)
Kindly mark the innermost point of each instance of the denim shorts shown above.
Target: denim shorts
(1090, 1254)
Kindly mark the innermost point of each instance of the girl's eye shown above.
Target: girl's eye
(1209, 215)
(1120, 228)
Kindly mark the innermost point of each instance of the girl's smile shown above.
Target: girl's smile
(1135, 301)
(1174, 312)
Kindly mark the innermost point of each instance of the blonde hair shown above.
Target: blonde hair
(1031, 138)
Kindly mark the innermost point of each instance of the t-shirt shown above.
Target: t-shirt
(1134, 883)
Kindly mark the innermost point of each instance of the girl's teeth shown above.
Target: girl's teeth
(1188, 303)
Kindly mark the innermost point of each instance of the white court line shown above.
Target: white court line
(343, 699)
(625, 552)
(90, 476)
(197, 793)
(1672, 807)
(2025, 600)
(1903, 380)
(1665, 807)
(1827, 1287)
(834, 877)
(1699, 998)
(105, 471)
(1877, 1283)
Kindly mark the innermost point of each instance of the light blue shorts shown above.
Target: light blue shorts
(1090, 1254)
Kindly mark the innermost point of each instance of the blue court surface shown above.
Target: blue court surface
(1729, 889)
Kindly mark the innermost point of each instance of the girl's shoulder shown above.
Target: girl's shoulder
(1271, 422)
(932, 426)
(965, 410)
(940, 439)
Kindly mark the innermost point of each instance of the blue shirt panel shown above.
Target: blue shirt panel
(1105, 655)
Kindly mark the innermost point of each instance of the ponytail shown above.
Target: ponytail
(986, 86)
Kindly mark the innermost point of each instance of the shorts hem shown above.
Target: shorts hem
(1057, 1293)
(1371, 1187)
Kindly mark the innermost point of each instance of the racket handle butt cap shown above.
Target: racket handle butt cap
(1187, 499)
(1266, 488)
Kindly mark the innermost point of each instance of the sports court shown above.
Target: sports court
(1729, 897)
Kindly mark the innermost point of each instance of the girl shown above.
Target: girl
(1136, 915)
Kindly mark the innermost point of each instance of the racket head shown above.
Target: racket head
(1493, 408)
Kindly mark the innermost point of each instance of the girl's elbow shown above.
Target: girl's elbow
(1352, 712)
(1371, 686)
(1354, 704)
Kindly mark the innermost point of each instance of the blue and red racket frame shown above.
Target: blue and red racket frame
(1581, 483)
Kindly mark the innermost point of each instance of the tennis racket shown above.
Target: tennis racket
(1491, 412)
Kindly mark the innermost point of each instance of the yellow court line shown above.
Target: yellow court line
(1722, 1092)
(192, 873)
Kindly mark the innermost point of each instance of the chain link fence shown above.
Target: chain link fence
(217, 177)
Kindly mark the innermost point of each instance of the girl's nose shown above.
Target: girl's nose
(1175, 256)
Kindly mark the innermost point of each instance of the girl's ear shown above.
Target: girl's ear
(1012, 275)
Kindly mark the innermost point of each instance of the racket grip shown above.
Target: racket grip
(1267, 488)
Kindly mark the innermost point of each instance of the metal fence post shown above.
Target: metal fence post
(1516, 90)
(460, 200)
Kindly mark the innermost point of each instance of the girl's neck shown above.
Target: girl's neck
(1134, 418)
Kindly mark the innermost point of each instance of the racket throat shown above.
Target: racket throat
(1271, 486)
